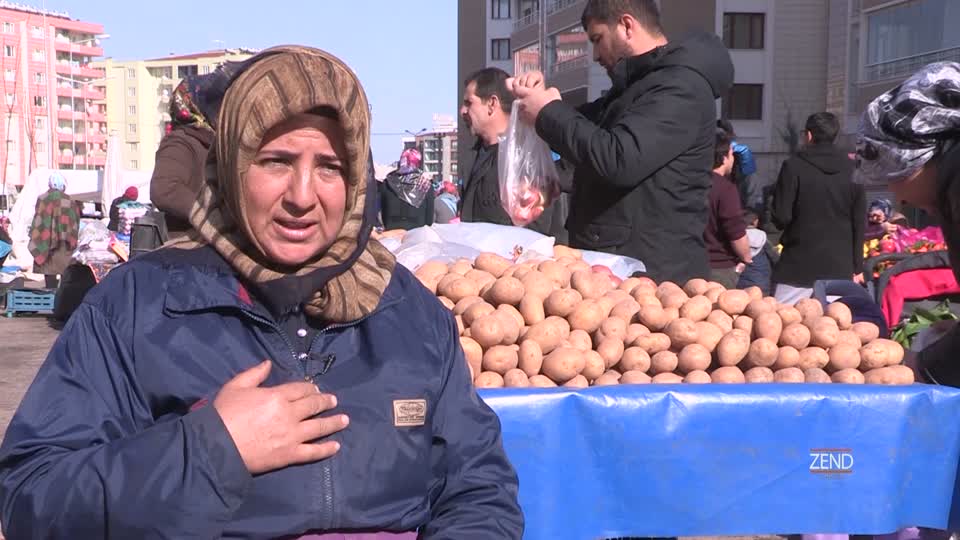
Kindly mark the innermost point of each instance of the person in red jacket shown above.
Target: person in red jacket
(726, 232)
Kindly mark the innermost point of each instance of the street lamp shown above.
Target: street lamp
(73, 118)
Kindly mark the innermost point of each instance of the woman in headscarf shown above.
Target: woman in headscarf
(54, 231)
(909, 142)
(407, 198)
(274, 375)
(131, 194)
(6, 243)
(182, 154)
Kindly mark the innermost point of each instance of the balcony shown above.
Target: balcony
(527, 20)
(70, 115)
(94, 94)
(69, 91)
(77, 49)
(96, 116)
(579, 62)
(558, 5)
(64, 67)
(95, 138)
(904, 67)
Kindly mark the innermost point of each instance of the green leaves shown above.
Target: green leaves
(922, 318)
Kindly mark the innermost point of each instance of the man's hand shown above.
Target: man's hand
(859, 279)
(890, 228)
(533, 100)
(274, 427)
(531, 79)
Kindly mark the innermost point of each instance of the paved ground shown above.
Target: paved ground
(24, 343)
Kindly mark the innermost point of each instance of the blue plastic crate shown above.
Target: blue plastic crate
(29, 300)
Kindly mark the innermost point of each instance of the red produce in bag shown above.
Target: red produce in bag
(529, 182)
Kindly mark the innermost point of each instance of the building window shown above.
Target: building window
(745, 102)
(132, 91)
(205, 70)
(132, 109)
(39, 101)
(132, 128)
(911, 29)
(11, 100)
(39, 78)
(134, 164)
(187, 71)
(499, 49)
(11, 146)
(10, 74)
(39, 123)
(743, 30)
(500, 9)
(133, 147)
(7, 28)
(36, 31)
(40, 147)
(39, 54)
(131, 73)
(8, 51)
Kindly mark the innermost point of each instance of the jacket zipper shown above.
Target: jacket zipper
(286, 340)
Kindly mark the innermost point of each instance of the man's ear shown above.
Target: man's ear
(493, 104)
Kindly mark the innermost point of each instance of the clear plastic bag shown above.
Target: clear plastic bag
(529, 182)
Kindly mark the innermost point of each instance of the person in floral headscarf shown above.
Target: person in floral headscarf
(54, 232)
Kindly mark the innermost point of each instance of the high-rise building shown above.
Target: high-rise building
(54, 113)
(139, 92)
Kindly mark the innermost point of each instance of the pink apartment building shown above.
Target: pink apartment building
(53, 107)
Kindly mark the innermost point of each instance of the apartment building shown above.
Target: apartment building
(439, 147)
(138, 93)
(54, 113)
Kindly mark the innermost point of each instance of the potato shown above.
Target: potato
(682, 332)
(516, 379)
(759, 375)
(813, 357)
(547, 334)
(609, 378)
(509, 326)
(538, 284)
(613, 327)
(768, 326)
(697, 377)
(666, 378)
(772, 302)
(431, 269)
(606, 304)
(696, 309)
(530, 358)
(531, 307)
(754, 292)
(635, 377)
(762, 353)
(848, 337)
(577, 382)
(489, 379)
(587, 316)
(668, 287)
(756, 308)
(672, 313)
(584, 282)
(626, 310)
(633, 332)
(480, 277)
(795, 335)
(555, 272)
(560, 250)
(464, 303)
(733, 302)
(721, 320)
(839, 312)
(789, 375)
(713, 293)
(810, 309)
(728, 375)
(493, 263)
(618, 296)
(824, 332)
(472, 352)
(460, 326)
(634, 359)
(644, 284)
(460, 266)
(866, 331)
(628, 284)
(742, 322)
(787, 357)
(580, 340)
(562, 302)
(593, 365)
(708, 335)
(816, 375)
(695, 287)
(879, 353)
(733, 347)
(506, 290)
(789, 315)
(477, 311)
(898, 374)
(513, 312)
(848, 376)
(563, 364)
(693, 357)
(664, 362)
(458, 288)
(499, 359)
(674, 300)
(647, 300)
(843, 357)
(542, 381)
(653, 343)
(430, 284)
(611, 350)
(562, 324)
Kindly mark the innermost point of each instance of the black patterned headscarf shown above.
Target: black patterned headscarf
(902, 130)
(196, 100)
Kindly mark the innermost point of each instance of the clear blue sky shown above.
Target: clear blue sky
(405, 52)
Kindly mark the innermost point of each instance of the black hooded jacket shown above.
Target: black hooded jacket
(822, 213)
(643, 156)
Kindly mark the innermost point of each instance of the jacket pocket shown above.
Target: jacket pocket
(601, 237)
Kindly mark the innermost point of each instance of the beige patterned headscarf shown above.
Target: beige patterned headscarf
(344, 283)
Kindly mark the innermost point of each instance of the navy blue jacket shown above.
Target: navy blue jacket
(110, 442)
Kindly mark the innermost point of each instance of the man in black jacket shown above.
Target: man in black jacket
(822, 213)
(486, 111)
(643, 154)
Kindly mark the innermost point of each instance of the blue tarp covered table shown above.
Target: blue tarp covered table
(683, 460)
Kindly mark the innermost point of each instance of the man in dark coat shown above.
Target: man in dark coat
(486, 111)
(822, 213)
(643, 153)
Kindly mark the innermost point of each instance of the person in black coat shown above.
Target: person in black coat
(406, 195)
(643, 153)
(822, 213)
(131, 194)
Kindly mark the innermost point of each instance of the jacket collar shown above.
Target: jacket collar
(629, 70)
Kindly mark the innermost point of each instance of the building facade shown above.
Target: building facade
(54, 111)
(138, 93)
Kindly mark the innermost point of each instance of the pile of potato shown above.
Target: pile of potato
(562, 322)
